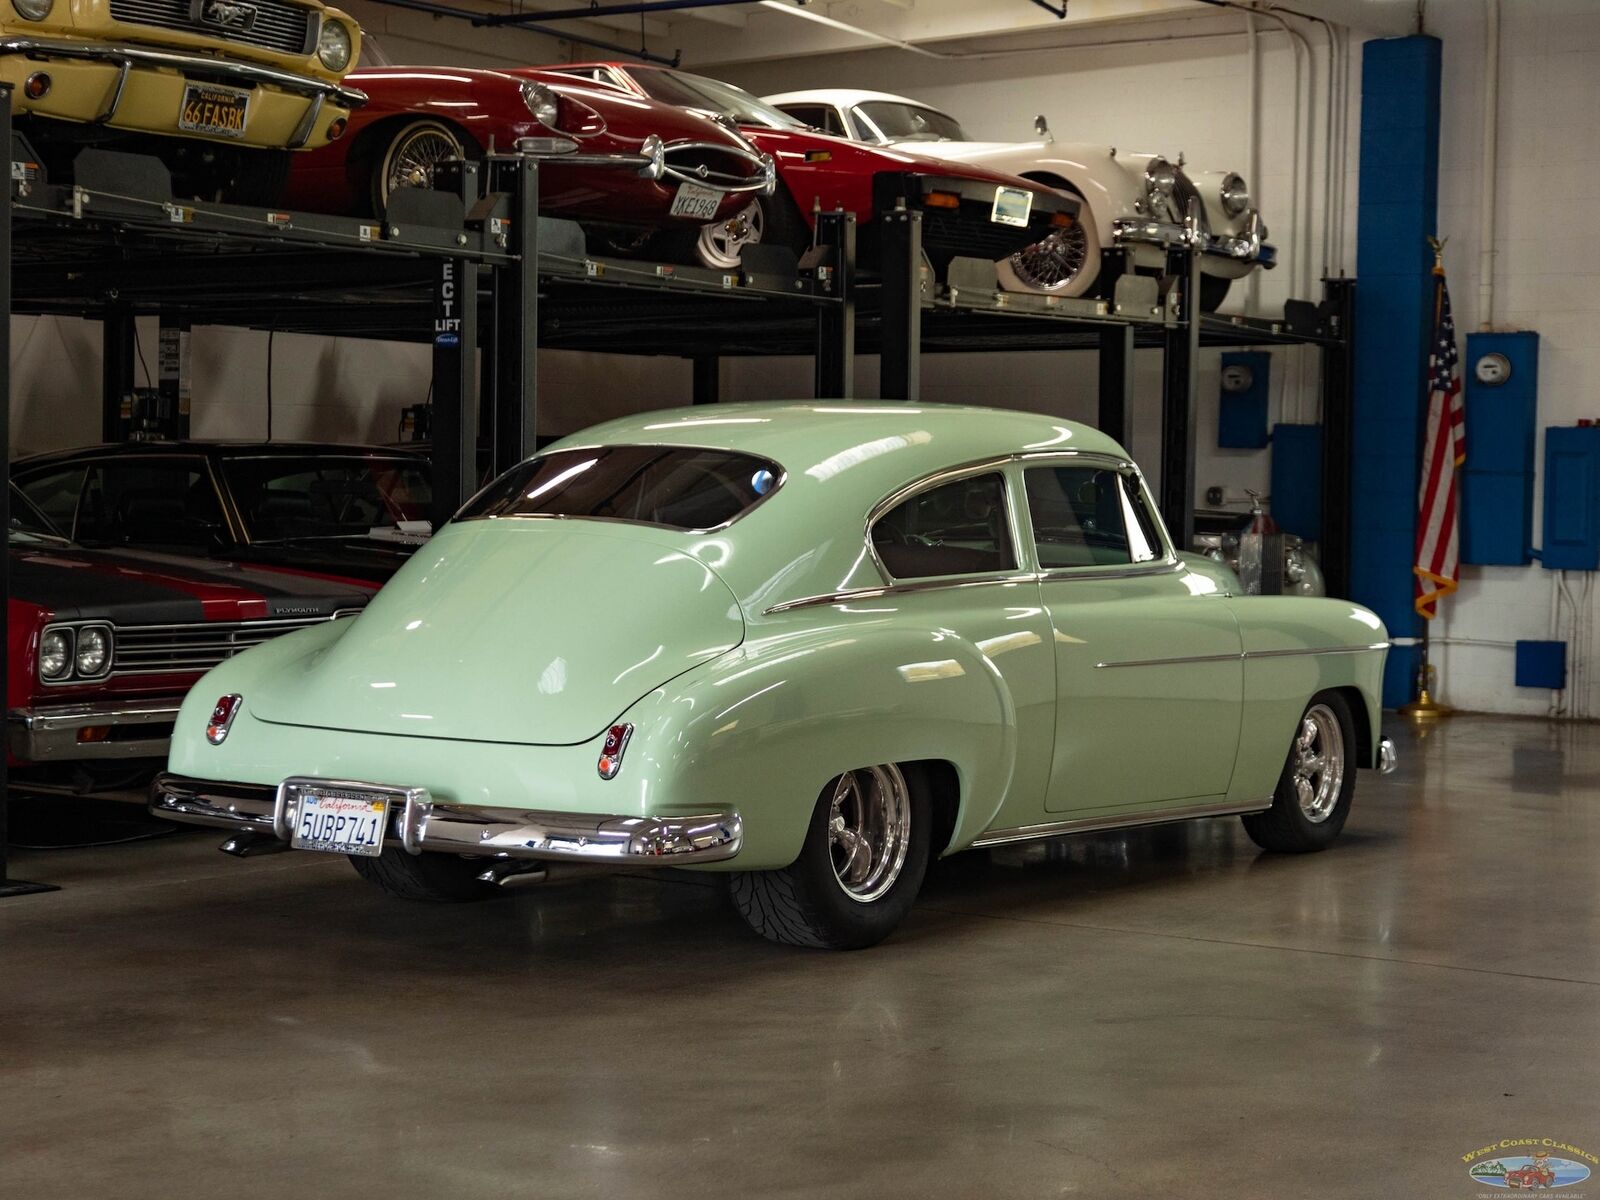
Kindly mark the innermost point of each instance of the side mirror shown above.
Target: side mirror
(1042, 128)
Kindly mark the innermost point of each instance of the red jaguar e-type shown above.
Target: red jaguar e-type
(967, 210)
(610, 160)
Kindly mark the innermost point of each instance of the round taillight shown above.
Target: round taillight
(37, 86)
(336, 130)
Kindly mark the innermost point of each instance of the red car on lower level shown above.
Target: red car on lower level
(102, 645)
(967, 210)
(625, 166)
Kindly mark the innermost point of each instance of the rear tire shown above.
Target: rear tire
(1317, 784)
(859, 871)
(435, 878)
(406, 155)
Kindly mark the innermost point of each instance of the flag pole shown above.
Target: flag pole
(1425, 709)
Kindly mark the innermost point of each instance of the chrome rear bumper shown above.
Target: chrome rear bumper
(418, 823)
(1249, 246)
(54, 733)
(1387, 759)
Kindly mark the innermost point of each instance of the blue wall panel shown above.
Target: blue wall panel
(1497, 481)
(1297, 479)
(1242, 418)
(1398, 191)
(1572, 498)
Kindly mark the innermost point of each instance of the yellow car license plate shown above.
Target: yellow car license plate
(212, 109)
(340, 822)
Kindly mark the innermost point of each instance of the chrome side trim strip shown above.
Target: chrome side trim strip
(1168, 662)
(1245, 654)
(1030, 833)
(900, 589)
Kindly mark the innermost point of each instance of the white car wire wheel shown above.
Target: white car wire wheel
(410, 154)
(1318, 782)
(858, 873)
(1066, 263)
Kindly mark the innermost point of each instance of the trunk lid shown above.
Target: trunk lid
(529, 631)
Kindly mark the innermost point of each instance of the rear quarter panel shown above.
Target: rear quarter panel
(1279, 681)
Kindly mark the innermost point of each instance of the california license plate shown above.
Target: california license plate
(1012, 206)
(340, 822)
(215, 110)
(700, 203)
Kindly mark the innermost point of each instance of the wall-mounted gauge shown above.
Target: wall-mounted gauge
(1237, 377)
(1492, 369)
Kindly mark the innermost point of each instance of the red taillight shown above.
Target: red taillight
(222, 719)
(37, 86)
(611, 753)
(336, 130)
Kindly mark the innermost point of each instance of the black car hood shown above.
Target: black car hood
(135, 587)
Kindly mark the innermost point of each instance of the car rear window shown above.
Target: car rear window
(677, 487)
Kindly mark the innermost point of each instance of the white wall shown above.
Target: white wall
(1545, 273)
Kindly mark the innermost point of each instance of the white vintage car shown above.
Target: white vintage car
(1137, 202)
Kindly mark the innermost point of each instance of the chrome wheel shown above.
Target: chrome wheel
(720, 242)
(1054, 264)
(414, 154)
(1317, 763)
(869, 831)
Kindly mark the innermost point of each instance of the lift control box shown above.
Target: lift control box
(1297, 480)
(1501, 377)
(1571, 498)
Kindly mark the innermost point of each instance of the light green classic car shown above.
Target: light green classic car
(811, 645)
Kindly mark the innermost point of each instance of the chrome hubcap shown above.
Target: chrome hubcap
(1317, 763)
(412, 161)
(1054, 263)
(721, 241)
(869, 831)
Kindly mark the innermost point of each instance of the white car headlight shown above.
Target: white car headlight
(333, 45)
(55, 655)
(1235, 195)
(542, 103)
(1160, 178)
(33, 10)
(94, 651)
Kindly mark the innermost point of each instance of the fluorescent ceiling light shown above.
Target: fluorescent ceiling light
(846, 27)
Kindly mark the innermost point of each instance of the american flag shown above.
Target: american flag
(1438, 565)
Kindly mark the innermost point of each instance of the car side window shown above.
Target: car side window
(160, 505)
(55, 493)
(958, 528)
(1087, 516)
(815, 115)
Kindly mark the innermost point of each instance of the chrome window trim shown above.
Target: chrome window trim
(929, 483)
(910, 586)
(1167, 564)
(782, 478)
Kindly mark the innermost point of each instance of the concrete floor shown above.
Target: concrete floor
(1166, 1013)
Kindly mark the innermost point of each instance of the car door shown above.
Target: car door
(950, 548)
(1149, 673)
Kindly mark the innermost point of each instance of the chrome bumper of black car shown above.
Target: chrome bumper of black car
(98, 729)
(417, 823)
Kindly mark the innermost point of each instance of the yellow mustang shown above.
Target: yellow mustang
(258, 74)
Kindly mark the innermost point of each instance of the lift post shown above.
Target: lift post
(8, 886)
(900, 234)
(119, 335)
(514, 379)
(1338, 435)
(1180, 397)
(1116, 383)
(836, 321)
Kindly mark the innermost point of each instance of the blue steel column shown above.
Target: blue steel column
(1399, 192)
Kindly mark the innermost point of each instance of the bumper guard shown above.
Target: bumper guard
(418, 823)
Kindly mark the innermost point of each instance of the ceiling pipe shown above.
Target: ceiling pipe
(589, 12)
(1486, 165)
(457, 14)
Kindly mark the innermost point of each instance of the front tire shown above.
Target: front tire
(767, 220)
(1318, 782)
(434, 878)
(859, 871)
(1067, 263)
(408, 155)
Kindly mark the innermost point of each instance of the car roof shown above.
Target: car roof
(220, 447)
(850, 454)
(845, 96)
